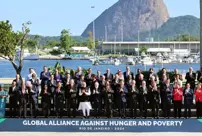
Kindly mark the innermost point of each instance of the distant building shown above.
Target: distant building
(153, 47)
(80, 49)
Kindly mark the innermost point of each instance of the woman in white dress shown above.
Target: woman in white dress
(85, 105)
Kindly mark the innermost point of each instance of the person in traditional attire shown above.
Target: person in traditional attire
(188, 100)
(133, 93)
(85, 105)
(108, 100)
(198, 101)
(3, 96)
(177, 100)
(71, 99)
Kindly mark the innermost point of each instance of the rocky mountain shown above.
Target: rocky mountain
(127, 17)
(187, 25)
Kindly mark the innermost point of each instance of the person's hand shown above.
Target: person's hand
(3, 96)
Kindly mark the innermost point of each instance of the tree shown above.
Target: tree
(90, 41)
(66, 40)
(143, 49)
(10, 41)
(31, 45)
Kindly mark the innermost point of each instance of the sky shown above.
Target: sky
(49, 17)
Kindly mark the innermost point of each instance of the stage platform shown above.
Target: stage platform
(100, 125)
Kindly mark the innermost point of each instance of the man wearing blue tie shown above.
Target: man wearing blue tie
(122, 98)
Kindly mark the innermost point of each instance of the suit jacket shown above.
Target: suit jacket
(108, 96)
(198, 77)
(35, 85)
(133, 94)
(44, 78)
(18, 83)
(126, 76)
(88, 79)
(108, 77)
(191, 78)
(14, 93)
(71, 92)
(122, 95)
(52, 86)
(143, 94)
(188, 95)
(166, 93)
(177, 95)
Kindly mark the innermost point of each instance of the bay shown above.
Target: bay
(7, 70)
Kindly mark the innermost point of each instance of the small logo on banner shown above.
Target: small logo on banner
(2, 120)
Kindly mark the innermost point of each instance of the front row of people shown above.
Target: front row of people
(107, 99)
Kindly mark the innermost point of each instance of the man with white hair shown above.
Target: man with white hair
(78, 73)
(191, 77)
(140, 80)
(143, 101)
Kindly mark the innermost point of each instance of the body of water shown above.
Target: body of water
(7, 70)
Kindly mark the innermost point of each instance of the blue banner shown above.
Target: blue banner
(2, 107)
(101, 125)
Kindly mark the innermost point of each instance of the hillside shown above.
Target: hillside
(44, 39)
(174, 27)
(126, 17)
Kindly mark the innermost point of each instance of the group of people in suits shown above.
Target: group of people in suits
(106, 94)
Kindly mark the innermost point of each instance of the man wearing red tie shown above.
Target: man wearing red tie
(198, 99)
(177, 100)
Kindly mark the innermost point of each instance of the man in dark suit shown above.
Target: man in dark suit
(52, 85)
(44, 77)
(139, 72)
(122, 97)
(188, 100)
(88, 77)
(108, 75)
(18, 81)
(152, 74)
(133, 93)
(71, 99)
(191, 77)
(34, 91)
(23, 99)
(108, 99)
(127, 73)
(166, 94)
(13, 99)
(199, 77)
(143, 99)
(96, 99)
